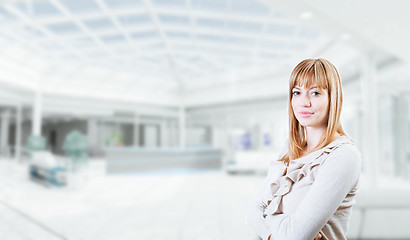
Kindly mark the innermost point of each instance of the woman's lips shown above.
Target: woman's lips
(305, 114)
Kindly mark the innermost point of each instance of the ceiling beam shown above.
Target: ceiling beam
(196, 13)
(49, 34)
(132, 43)
(178, 28)
(171, 56)
(192, 21)
(81, 25)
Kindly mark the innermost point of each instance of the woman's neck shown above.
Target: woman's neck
(313, 136)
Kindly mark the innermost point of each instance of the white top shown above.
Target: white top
(314, 194)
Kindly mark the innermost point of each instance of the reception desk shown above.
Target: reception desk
(131, 159)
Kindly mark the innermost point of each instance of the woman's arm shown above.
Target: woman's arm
(254, 214)
(335, 178)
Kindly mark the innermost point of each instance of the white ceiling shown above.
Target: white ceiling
(168, 52)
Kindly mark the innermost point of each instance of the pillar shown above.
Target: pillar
(17, 151)
(136, 131)
(37, 114)
(182, 126)
(370, 120)
(4, 134)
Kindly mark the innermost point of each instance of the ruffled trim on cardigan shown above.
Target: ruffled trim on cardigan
(298, 169)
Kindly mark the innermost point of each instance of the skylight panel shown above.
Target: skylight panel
(209, 22)
(100, 23)
(113, 38)
(129, 20)
(212, 38)
(50, 46)
(69, 56)
(124, 3)
(144, 44)
(240, 41)
(269, 55)
(144, 35)
(307, 33)
(5, 15)
(28, 32)
(178, 35)
(216, 5)
(154, 46)
(172, 19)
(63, 28)
(249, 7)
(273, 45)
(282, 30)
(296, 46)
(169, 2)
(76, 6)
(97, 54)
(84, 42)
(38, 8)
(245, 26)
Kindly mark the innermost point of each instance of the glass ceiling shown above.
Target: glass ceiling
(145, 49)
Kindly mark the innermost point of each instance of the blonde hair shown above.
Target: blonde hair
(322, 73)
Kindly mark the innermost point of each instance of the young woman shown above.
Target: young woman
(309, 192)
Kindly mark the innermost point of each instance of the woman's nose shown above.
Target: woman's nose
(305, 101)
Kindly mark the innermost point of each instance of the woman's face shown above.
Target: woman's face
(310, 106)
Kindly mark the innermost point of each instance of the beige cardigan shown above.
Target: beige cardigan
(314, 194)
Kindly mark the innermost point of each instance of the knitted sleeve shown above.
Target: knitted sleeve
(334, 180)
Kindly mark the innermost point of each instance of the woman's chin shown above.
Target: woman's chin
(304, 123)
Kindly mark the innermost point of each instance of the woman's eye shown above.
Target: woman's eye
(295, 93)
(316, 93)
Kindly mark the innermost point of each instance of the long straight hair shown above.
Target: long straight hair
(324, 74)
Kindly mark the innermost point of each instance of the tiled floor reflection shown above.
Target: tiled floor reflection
(172, 205)
(166, 204)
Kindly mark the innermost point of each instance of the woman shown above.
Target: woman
(309, 192)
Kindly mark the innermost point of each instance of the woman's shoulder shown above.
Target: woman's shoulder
(347, 153)
(348, 148)
(343, 163)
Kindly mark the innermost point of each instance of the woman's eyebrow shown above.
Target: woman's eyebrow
(295, 87)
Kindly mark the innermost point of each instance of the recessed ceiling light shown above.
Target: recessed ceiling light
(306, 15)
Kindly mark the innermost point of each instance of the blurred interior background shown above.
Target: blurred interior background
(143, 119)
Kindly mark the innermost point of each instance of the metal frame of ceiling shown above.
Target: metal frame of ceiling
(148, 51)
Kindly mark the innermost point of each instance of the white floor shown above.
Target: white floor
(167, 205)
(172, 205)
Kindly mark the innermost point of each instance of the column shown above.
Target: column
(208, 135)
(92, 134)
(400, 129)
(103, 133)
(4, 137)
(173, 136)
(17, 151)
(182, 127)
(370, 121)
(37, 118)
(136, 130)
(163, 133)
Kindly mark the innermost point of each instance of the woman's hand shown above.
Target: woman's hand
(318, 237)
